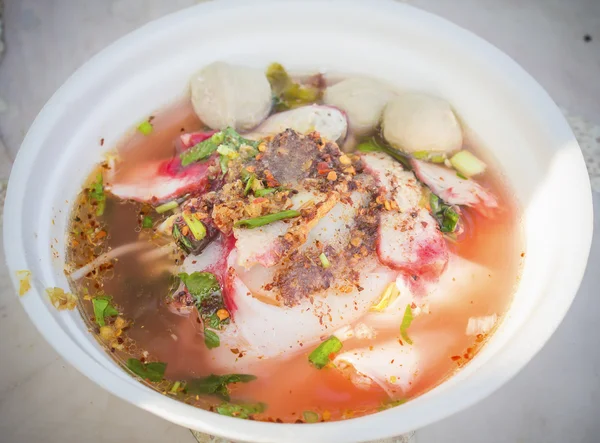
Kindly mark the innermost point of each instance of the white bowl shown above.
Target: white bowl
(506, 109)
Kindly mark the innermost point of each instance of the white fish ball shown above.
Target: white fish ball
(362, 100)
(229, 95)
(415, 122)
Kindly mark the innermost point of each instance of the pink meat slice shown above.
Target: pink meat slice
(452, 189)
(193, 138)
(412, 242)
(408, 237)
(161, 181)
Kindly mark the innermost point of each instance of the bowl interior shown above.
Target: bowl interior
(503, 107)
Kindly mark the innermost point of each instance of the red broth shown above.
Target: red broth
(292, 386)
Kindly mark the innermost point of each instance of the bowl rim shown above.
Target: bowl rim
(374, 426)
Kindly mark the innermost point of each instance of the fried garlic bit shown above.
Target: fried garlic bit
(61, 300)
(24, 277)
(111, 333)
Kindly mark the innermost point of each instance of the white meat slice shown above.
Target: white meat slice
(329, 122)
(275, 330)
(452, 189)
(411, 241)
(457, 284)
(392, 366)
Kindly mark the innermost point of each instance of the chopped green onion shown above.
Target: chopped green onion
(388, 296)
(227, 140)
(446, 215)
(267, 191)
(224, 163)
(320, 356)
(175, 387)
(145, 128)
(216, 384)
(459, 175)
(433, 157)
(196, 226)
(421, 155)
(467, 164)
(450, 221)
(228, 151)
(372, 146)
(369, 146)
(167, 207)
(256, 222)
(147, 371)
(147, 222)
(324, 260)
(249, 183)
(288, 93)
(202, 150)
(310, 417)
(211, 339)
(181, 239)
(241, 411)
(406, 321)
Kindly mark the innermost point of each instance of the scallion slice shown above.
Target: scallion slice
(320, 356)
(167, 207)
(196, 226)
(324, 260)
(256, 222)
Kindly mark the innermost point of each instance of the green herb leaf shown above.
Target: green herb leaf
(167, 207)
(288, 93)
(96, 193)
(147, 222)
(324, 260)
(196, 226)
(406, 321)
(256, 222)
(103, 308)
(205, 288)
(216, 384)
(211, 340)
(145, 128)
(200, 283)
(446, 215)
(241, 411)
(148, 371)
(214, 322)
(310, 417)
(320, 356)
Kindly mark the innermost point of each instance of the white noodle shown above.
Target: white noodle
(481, 325)
(158, 253)
(106, 257)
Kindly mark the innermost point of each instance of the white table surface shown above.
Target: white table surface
(555, 399)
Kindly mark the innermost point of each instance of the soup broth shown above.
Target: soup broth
(119, 252)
